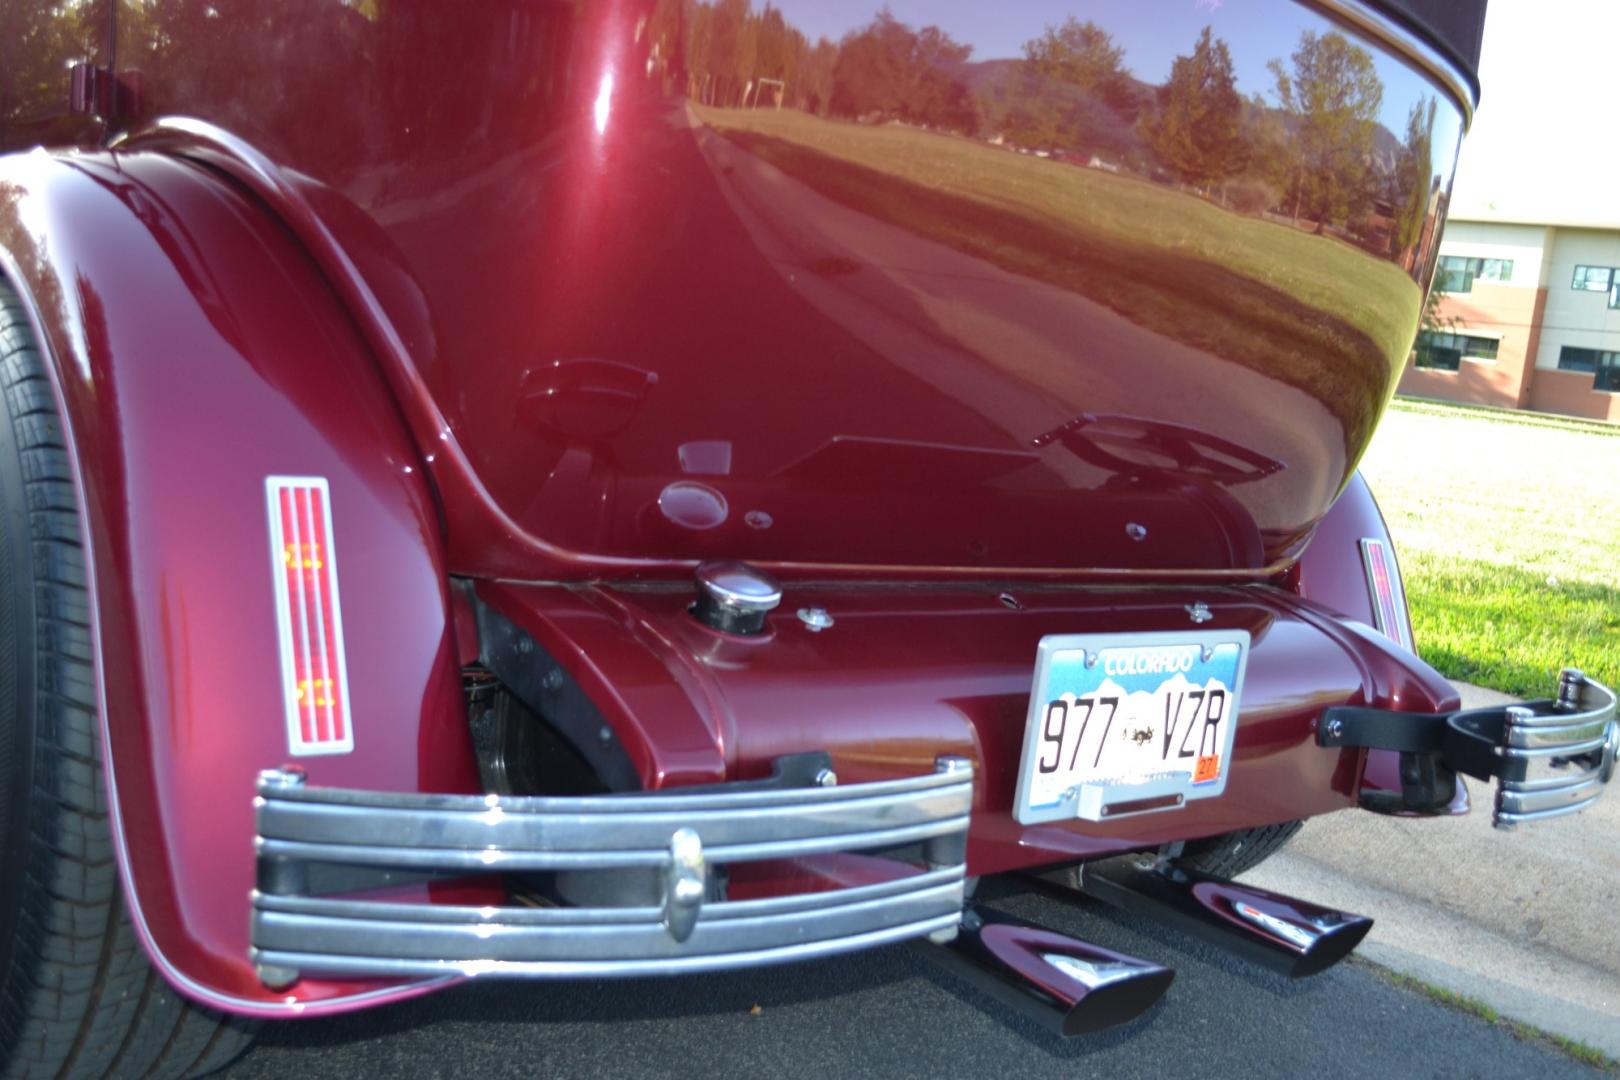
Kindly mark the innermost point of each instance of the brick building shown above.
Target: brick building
(1533, 320)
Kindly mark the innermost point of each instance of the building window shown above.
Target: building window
(1592, 278)
(1604, 367)
(1457, 273)
(1447, 351)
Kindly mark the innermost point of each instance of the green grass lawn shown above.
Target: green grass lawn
(1312, 311)
(1508, 527)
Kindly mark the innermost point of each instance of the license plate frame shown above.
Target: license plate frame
(1129, 782)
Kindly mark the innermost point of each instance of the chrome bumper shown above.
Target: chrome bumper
(678, 835)
(1559, 759)
(1549, 758)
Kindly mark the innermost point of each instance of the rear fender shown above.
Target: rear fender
(1332, 572)
(196, 351)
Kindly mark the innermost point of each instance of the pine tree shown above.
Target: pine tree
(1332, 96)
(1196, 130)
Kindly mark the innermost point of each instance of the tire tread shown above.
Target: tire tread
(80, 998)
(1231, 854)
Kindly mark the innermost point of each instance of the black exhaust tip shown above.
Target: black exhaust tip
(1117, 1003)
(1331, 947)
(1068, 986)
(1294, 937)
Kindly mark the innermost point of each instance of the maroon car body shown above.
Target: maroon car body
(558, 313)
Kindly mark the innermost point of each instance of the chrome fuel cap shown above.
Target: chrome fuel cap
(734, 597)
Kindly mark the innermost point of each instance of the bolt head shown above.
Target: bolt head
(287, 778)
(275, 977)
(815, 619)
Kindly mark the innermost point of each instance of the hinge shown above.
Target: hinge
(98, 92)
(90, 90)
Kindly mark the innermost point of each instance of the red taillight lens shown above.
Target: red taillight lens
(1388, 596)
(309, 619)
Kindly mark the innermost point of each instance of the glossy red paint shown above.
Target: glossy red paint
(691, 328)
(1329, 573)
(906, 674)
(623, 324)
(198, 352)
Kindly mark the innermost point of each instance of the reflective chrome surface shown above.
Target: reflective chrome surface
(735, 597)
(321, 936)
(1294, 937)
(1068, 986)
(478, 832)
(1560, 754)
(686, 879)
(680, 835)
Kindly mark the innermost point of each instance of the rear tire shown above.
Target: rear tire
(1231, 854)
(77, 995)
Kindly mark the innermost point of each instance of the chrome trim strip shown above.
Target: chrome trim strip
(473, 859)
(1569, 796)
(1393, 35)
(1563, 752)
(565, 916)
(669, 800)
(318, 964)
(1559, 731)
(1507, 820)
(295, 934)
(472, 832)
(526, 935)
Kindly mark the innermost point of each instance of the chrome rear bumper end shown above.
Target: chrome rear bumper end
(678, 838)
(1549, 757)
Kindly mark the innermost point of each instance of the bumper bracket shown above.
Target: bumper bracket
(1549, 757)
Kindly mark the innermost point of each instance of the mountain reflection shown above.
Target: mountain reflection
(1283, 230)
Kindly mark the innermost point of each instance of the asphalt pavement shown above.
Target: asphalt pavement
(892, 1013)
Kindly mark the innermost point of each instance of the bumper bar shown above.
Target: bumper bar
(677, 835)
(1550, 757)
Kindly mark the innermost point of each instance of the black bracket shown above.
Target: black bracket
(1434, 748)
(1468, 741)
(1549, 756)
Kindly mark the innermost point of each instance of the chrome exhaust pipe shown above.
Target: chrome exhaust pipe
(1294, 937)
(1067, 986)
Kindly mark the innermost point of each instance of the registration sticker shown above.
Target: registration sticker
(1125, 724)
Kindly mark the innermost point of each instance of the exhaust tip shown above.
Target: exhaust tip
(1293, 937)
(1117, 1003)
(1069, 986)
(1331, 947)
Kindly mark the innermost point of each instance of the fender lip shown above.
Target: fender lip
(183, 983)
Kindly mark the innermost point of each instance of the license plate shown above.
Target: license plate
(1124, 724)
